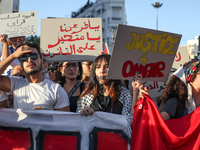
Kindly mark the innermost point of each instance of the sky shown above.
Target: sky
(175, 16)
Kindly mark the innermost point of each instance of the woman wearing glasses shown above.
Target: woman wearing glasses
(106, 95)
(68, 76)
(181, 95)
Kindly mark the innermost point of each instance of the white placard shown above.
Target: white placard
(71, 39)
(19, 24)
(182, 56)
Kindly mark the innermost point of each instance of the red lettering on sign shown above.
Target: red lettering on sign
(151, 70)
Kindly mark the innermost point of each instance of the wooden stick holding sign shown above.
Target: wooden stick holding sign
(144, 51)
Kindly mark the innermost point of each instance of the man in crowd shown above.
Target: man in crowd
(86, 66)
(33, 92)
(52, 69)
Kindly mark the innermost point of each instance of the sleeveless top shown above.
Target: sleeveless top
(73, 99)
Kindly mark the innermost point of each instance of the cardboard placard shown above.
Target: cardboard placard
(19, 24)
(144, 51)
(71, 39)
(182, 56)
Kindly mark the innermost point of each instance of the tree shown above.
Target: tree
(33, 38)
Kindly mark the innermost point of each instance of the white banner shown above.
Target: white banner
(19, 24)
(50, 121)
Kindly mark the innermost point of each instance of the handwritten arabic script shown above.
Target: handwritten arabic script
(19, 24)
(155, 88)
(73, 38)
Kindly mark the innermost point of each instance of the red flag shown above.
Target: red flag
(106, 50)
(150, 131)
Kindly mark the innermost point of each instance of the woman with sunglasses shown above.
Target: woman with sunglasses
(9, 47)
(68, 76)
(107, 95)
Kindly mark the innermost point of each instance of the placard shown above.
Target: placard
(19, 24)
(182, 56)
(143, 51)
(71, 39)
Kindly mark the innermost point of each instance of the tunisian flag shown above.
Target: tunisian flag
(151, 132)
(106, 50)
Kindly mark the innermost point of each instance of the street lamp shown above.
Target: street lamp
(157, 5)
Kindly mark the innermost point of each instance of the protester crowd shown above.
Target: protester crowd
(27, 82)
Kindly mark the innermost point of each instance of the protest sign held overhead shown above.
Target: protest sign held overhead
(156, 88)
(182, 56)
(70, 39)
(139, 50)
(19, 24)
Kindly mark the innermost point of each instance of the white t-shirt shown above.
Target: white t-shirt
(3, 96)
(46, 94)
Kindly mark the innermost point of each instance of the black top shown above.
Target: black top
(106, 106)
(73, 99)
(175, 109)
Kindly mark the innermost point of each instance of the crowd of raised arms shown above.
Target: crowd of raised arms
(27, 82)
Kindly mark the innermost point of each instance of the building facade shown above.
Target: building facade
(9, 6)
(193, 47)
(112, 13)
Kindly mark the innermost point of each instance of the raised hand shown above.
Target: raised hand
(137, 82)
(3, 38)
(143, 90)
(21, 51)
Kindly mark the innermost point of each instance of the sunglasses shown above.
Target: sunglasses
(52, 71)
(33, 56)
(15, 40)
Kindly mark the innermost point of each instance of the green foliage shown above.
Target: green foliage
(33, 38)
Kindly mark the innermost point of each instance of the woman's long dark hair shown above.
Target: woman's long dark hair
(175, 88)
(93, 86)
(61, 79)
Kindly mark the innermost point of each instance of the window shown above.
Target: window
(116, 11)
